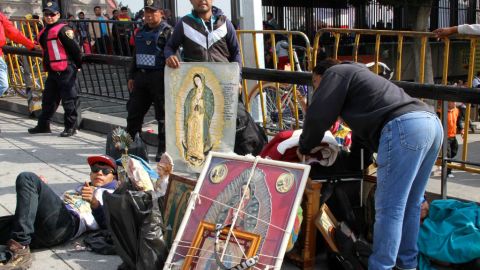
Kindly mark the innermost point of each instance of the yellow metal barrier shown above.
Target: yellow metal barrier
(25, 71)
(285, 95)
(401, 35)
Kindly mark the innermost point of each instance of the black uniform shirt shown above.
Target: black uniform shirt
(161, 42)
(71, 47)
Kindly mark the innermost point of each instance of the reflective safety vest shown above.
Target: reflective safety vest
(149, 50)
(56, 52)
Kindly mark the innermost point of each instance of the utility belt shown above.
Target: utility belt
(143, 70)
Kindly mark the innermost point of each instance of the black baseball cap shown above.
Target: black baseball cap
(154, 4)
(51, 6)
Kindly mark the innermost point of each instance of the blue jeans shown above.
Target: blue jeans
(3, 76)
(409, 145)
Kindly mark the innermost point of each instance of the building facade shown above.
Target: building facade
(20, 8)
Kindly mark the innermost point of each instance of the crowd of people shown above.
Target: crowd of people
(115, 38)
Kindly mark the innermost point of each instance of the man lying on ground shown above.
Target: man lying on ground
(43, 219)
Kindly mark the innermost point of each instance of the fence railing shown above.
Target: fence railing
(276, 101)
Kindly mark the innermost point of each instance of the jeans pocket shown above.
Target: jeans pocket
(416, 132)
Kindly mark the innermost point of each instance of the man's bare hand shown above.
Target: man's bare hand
(131, 84)
(301, 156)
(173, 62)
(445, 32)
(87, 195)
(44, 180)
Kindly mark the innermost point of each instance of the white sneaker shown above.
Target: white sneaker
(450, 175)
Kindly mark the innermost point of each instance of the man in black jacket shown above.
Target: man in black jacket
(404, 132)
(206, 36)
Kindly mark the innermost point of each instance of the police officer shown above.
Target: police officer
(145, 78)
(62, 59)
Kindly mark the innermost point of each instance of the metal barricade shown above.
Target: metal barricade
(276, 100)
(25, 72)
(463, 164)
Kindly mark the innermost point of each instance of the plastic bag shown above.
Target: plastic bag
(136, 224)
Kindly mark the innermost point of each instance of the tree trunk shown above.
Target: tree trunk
(420, 20)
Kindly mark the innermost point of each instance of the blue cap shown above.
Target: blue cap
(51, 6)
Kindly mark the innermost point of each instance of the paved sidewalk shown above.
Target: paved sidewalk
(63, 162)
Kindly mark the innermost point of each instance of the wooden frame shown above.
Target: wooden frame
(206, 231)
(327, 224)
(176, 200)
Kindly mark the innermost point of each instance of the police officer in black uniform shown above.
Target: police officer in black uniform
(145, 78)
(62, 59)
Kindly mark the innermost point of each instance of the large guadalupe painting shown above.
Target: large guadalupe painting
(200, 112)
(255, 199)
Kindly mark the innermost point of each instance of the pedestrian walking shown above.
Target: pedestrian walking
(62, 59)
(146, 74)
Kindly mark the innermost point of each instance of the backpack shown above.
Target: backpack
(250, 138)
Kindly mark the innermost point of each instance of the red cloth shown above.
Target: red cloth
(270, 150)
(8, 30)
(285, 144)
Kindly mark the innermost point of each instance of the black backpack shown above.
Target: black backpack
(250, 138)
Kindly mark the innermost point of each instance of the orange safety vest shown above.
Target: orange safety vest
(56, 52)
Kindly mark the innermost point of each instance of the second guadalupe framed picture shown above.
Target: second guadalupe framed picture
(176, 200)
(257, 198)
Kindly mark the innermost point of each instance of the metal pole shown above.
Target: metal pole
(444, 150)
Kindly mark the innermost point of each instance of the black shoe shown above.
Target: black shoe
(68, 132)
(39, 129)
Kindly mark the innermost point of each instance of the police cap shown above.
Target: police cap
(154, 4)
(51, 6)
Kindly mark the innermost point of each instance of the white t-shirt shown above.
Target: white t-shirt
(469, 29)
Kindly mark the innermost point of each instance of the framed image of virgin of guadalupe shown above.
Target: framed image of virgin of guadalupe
(248, 194)
(200, 112)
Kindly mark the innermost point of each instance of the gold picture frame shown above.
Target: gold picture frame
(203, 245)
(327, 224)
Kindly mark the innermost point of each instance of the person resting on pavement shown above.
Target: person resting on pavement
(43, 219)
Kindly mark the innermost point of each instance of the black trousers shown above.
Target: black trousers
(60, 86)
(41, 218)
(148, 89)
(452, 149)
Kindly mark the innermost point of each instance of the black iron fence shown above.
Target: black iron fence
(312, 15)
